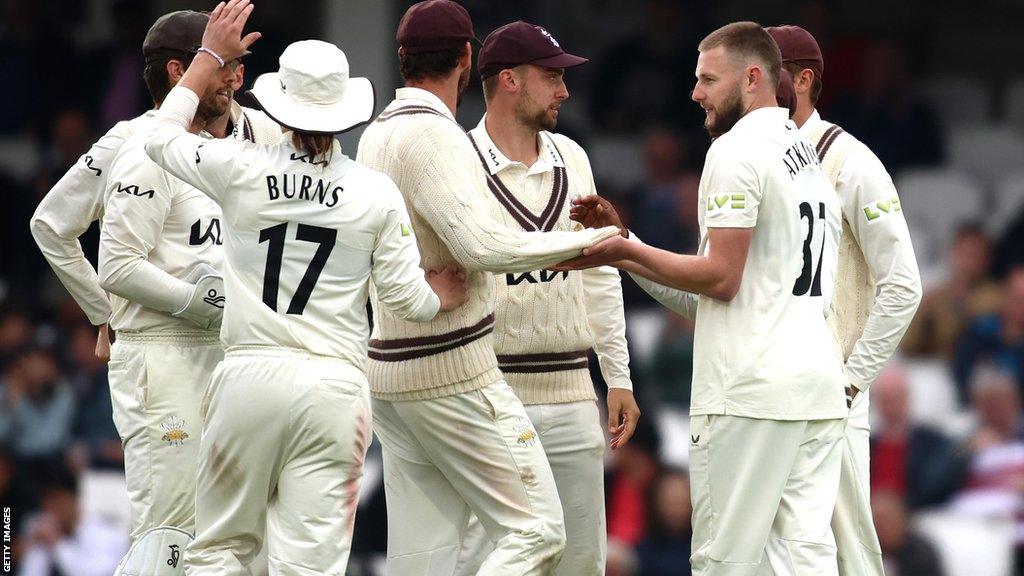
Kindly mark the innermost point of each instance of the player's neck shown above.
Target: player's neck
(516, 141)
(218, 127)
(447, 89)
(762, 100)
(803, 112)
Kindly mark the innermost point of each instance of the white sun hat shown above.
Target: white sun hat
(312, 90)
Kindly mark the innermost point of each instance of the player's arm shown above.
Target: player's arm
(717, 274)
(132, 225)
(871, 207)
(594, 211)
(65, 213)
(206, 164)
(449, 197)
(602, 296)
(397, 276)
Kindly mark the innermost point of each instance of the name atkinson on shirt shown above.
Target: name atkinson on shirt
(303, 187)
(798, 157)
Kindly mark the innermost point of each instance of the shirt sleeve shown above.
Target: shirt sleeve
(602, 294)
(396, 273)
(138, 205)
(449, 197)
(872, 209)
(679, 301)
(66, 212)
(206, 164)
(734, 189)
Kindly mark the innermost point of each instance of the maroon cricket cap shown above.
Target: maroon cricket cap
(433, 26)
(798, 46)
(175, 33)
(522, 43)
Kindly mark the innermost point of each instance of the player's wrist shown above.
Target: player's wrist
(212, 56)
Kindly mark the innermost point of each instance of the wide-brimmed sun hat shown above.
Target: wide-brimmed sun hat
(313, 92)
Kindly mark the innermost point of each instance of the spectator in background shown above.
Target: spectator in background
(995, 481)
(633, 470)
(639, 79)
(125, 95)
(885, 115)
(914, 462)
(16, 332)
(37, 409)
(671, 365)
(948, 308)
(996, 338)
(662, 210)
(60, 542)
(97, 444)
(904, 552)
(666, 549)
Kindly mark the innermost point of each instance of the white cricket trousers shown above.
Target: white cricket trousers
(763, 493)
(574, 443)
(284, 442)
(157, 383)
(856, 540)
(475, 452)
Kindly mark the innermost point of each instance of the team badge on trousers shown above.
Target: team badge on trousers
(174, 431)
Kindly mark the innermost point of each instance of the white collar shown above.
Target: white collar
(424, 97)
(547, 160)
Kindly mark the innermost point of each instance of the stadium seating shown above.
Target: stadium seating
(957, 101)
(1008, 200)
(969, 544)
(935, 201)
(989, 152)
(1014, 106)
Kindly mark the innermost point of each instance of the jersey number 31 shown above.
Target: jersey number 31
(810, 276)
(275, 236)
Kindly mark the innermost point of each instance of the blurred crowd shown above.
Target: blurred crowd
(948, 440)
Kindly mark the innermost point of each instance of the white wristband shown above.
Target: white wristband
(212, 53)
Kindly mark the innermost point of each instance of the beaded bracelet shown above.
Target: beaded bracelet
(214, 54)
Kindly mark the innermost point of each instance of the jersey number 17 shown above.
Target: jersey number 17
(275, 236)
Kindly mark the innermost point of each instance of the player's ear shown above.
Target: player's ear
(466, 58)
(239, 80)
(509, 81)
(175, 70)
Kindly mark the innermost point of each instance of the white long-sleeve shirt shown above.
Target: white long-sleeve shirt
(878, 286)
(155, 229)
(417, 142)
(77, 200)
(302, 241)
(546, 321)
(67, 211)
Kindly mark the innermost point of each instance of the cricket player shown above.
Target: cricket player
(160, 256)
(77, 200)
(878, 288)
(455, 437)
(306, 229)
(546, 321)
(768, 404)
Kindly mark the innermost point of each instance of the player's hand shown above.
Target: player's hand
(608, 251)
(103, 343)
(223, 33)
(450, 285)
(623, 414)
(595, 212)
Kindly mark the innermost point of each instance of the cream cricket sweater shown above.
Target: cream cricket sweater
(417, 142)
(545, 322)
(878, 286)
